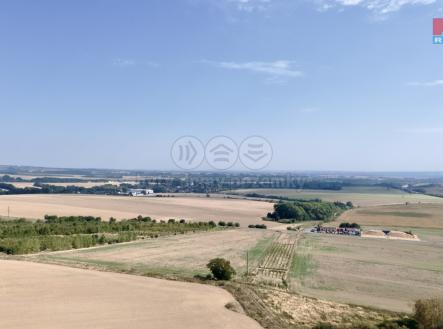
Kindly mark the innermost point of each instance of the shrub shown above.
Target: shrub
(237, 224)
(362, 325)
(221, 223)
(262, 226)
(429, 313)
(324, 326)
(391, 325)
(221, 269)
(230, 224)
(348, 225)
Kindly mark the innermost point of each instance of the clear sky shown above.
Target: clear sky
(332, 84)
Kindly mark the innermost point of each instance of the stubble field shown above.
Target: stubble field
(412, 215)
(182, 256)
(359, 196)
(190, 208)
(42, 296)
(386, 274)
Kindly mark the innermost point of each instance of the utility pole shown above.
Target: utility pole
(247, 262)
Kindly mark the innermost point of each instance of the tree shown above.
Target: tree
(221, 269)
(429, 313)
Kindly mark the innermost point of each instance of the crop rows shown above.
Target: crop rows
(274, 267)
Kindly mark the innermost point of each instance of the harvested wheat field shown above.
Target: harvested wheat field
(388, 273)
(23, 184)
(42, 296)
(411, 215)
(359, 196)
(192, 208)
(179, 255)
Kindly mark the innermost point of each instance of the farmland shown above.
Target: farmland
(181, 256)
(411, 215)
(359, 196)
(276, 260)
(184, 257)
(191, 208)
(290, 270)
(387, 274)
(44, 296)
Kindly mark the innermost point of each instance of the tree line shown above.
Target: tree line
(60, 233)
(305, 210)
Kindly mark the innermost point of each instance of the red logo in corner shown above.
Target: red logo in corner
(438, 26)
(438, 31)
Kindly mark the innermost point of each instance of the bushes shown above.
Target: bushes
(17, 247)
(404, 323)
(429, 313)
(348, 225)
(62, 233)
(221, 269)
(261, 226)
(228, 224)
(298, 210)
(394, 325)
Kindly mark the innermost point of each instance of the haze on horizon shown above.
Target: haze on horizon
(332, 84)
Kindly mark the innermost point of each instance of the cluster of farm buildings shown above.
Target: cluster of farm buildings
(336, 230)
(139, 192)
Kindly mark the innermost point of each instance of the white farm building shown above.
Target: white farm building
(140, 192)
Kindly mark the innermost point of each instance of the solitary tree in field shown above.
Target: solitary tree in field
(221, 269)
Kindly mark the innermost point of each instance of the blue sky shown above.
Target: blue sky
(332, 84)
